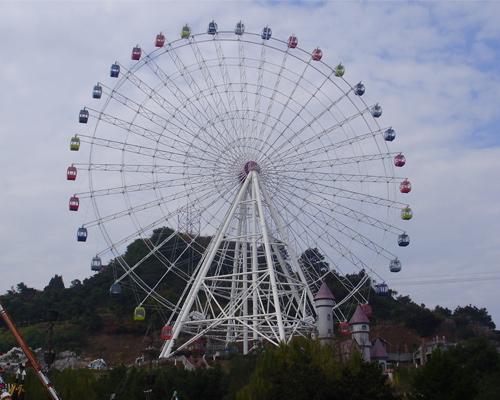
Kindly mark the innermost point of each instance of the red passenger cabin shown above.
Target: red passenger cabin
(74, 203)
(317, 54)
(160, 40)
(71, 173)
(345, 328)
(136, 53)
(405, 186)
(166, 333)
(399, 160)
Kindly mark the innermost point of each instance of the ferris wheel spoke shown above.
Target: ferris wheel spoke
(318, 135)
(320, 213)
(227, 85)
(326, 150)
(189, 102)
(305, 183)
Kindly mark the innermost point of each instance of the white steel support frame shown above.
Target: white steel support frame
(256, 300)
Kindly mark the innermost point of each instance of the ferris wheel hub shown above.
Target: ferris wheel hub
(251, 166)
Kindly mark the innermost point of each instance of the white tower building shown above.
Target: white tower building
(324, 301)
(360, 332)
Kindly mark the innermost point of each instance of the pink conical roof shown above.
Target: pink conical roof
(324, 293)
(378, 350)
(359, 317)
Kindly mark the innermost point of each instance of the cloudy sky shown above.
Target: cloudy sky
(433, 65)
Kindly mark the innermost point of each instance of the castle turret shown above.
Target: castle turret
(324, 301)
(379, 354)
(360, 332)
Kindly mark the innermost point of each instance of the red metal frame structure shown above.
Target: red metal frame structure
(32, 360)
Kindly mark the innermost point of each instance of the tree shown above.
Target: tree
(307, 369)
(314, 260)
(444, 378)
(472, 314)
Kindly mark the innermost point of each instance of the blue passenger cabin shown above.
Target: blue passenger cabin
(403, 240)
(83, 117)
(239, 29)
(212, 28)
(395, 265)
(81, 234)
(266, 33)
(114, 71)
(376, 111)
(382, 289)
(96, 264)
(115, 290)
(97, 92)
(390, 135)
(359, 89)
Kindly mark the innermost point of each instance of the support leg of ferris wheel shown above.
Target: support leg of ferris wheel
(202, 273)
(253, 188)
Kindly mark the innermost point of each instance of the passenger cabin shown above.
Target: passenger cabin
(403, 240)
(376, 111)
(96, 264)
(389, 135)
(74, 143)
(293, 42)
(212, 28)
(359, 89)
(139, 314)
(339, 70)
(317, 54)
(395, 265)
(367, 309)
(136, 53)
(160, 40)
(399, 160)
(345, 328)
(186, 31)
(266, 33)
(71, 173)
(405, 186)
(74, 203)
(115, 290)
(81, 234)
(114, 71)
(382, 289)
(97, 92)
(83, 117)
(406, 213)
(166, 333)
(239, 29)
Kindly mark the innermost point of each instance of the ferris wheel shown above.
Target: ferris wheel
(247, 171)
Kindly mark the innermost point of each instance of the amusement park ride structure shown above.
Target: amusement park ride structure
(275, 153)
